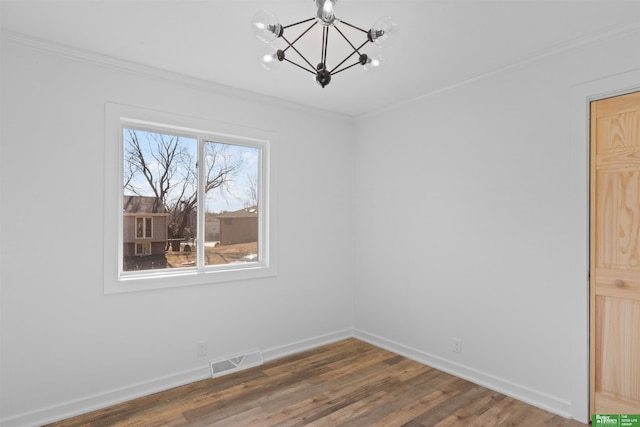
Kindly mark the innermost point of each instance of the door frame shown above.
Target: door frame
(582, 95)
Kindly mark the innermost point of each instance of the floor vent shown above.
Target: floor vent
(235, 363)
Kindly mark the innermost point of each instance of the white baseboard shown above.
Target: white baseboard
(113, 397)
(533, 397)
(307, 344)
(102, 400)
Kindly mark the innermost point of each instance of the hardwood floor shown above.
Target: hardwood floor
(349, 383)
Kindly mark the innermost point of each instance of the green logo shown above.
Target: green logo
(610, 420)
(605, 420)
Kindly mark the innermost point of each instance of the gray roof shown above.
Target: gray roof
(142, 204)
(250, 212)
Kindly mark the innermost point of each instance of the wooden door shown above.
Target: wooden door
(615, 255)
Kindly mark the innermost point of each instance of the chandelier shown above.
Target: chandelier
(267, 28)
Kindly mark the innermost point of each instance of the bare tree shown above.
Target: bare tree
(251, 192)
(168, 170)
(221, 167)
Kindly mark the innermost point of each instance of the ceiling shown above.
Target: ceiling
(442, 43)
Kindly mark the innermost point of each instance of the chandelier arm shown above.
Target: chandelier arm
(325, 45)
(298, 23)
(353, 26)
(297, 51)
(355, 50)
(299, 66)
(348, 41)
(345, 68)
(299, 37)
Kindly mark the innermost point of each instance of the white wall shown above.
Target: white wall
(471, 222)
(468, 210)
(65, 345)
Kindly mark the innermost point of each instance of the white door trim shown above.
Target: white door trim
(581, 95)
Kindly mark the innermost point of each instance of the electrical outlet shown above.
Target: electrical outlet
(456, 345)
(201, 348)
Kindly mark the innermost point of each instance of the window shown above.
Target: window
(193, 197)
(143, 248)
(143, 227)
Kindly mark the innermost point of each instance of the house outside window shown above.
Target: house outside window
(138, 237)
(195, 201)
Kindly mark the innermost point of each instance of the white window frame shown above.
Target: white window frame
(117, 117)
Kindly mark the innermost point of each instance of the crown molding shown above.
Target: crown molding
(111, 62)
(559, 49)
(123, 65)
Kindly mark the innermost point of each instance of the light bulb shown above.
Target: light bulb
(265, 26)
(326, 11)
(373, 62)
(384, 32)
(271, 60)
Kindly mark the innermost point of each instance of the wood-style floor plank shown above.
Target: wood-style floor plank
(348, 383)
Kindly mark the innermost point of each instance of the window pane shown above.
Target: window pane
(147, 227)
(139, 225)
(159, 178)
(231, 203)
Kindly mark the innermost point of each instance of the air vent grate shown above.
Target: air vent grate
(235, 363)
